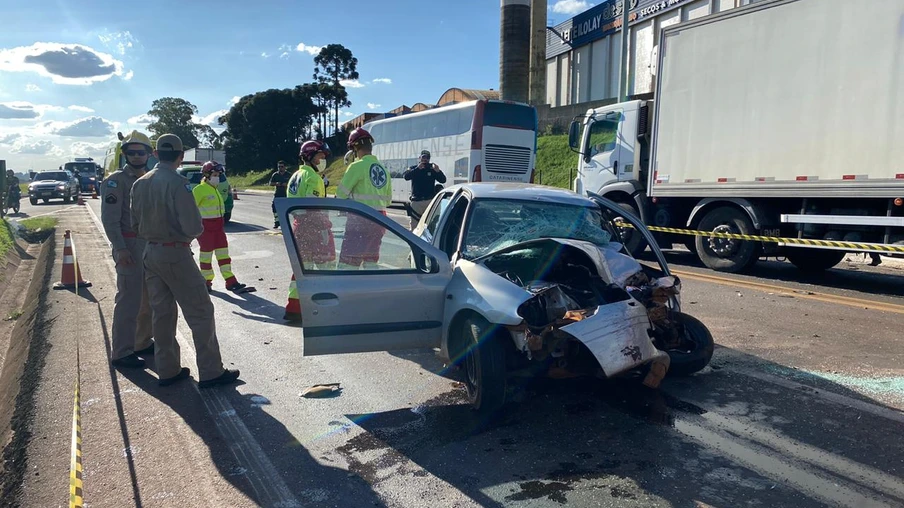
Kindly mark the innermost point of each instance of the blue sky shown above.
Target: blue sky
(73, 72)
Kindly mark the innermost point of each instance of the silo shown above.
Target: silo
(514, 50)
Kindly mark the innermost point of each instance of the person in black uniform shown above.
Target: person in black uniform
(280, 180)
(423, 178)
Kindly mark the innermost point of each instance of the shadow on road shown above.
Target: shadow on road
(240, 227)
(721, 437)
(261, 309)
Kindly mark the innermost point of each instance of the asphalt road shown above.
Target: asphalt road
(801, 406)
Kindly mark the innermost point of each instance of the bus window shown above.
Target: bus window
(514, 116)
(418, 127)
(464, 120)
(389, 133)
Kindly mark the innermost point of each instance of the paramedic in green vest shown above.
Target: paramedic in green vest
(213, 240)
(312, 229)
(365, 181)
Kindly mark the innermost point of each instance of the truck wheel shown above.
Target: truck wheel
(696, 349)
(484, 366)
(723, 254)
(633, 240)
(814, 260)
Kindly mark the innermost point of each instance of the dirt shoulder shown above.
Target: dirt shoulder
(141, 445)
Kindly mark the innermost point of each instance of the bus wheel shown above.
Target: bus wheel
(727, 254)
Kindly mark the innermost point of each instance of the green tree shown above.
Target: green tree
(333, 64)
(175, 116)
(267, 126)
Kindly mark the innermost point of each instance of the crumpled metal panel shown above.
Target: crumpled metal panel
(617, 336)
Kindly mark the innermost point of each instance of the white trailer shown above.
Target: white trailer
(206, 154)
(784, 118)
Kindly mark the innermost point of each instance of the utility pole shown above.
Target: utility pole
(623, 68)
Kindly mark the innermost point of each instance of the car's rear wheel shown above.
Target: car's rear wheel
(484, 366)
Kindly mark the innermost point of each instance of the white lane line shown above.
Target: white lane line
(48, 213)
(266, 481)
(836, 398)
(792, 450)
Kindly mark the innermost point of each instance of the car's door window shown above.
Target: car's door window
(333, 241)
(435, 215)
(452, 230)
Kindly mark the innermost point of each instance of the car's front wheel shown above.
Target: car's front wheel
(696, 348)
(484, 366)
(33, 201)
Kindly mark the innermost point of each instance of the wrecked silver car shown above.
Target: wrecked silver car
(502, 279)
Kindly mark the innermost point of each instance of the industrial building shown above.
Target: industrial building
(583, 54)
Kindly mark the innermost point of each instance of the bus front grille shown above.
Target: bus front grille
(510, 160)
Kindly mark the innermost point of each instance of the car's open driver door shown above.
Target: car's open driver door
(364, 282)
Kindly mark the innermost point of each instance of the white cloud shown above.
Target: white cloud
(83, 149)
(82, 109)
(304, 48)
(7, 139)
(35, 147)
(348, 114)
(65, 64)
(265, 54)
(371, 105)
(571, 7)
(129, 75)
(284, 55)
(234, 100)
(351, 83)
(90, 127)
(211, 119)
(32, 88)
(120, 42)
(383, 80)
(142, 119)
(20, 110)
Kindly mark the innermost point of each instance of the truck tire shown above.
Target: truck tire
(634, 241)
(697, 350)
(814, 260)
(484, 364)
(727, 255)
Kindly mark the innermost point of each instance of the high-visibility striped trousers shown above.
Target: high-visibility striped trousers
(213, 243)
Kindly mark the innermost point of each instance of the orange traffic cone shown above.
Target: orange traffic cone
(293, 306)
(93, 191)
(235, 194)
(72, 276)
(80, 200)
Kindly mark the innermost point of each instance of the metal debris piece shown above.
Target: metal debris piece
(321, 391)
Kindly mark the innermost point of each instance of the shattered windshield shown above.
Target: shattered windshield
(499, 223)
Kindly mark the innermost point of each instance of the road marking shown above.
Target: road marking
(859, 303)
(264, 478)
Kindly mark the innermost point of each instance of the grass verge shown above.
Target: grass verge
(251, 180)
(7, 238)
(37, 229)
(556, 163)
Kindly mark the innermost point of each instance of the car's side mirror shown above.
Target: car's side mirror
(574, 135)
(426, 263)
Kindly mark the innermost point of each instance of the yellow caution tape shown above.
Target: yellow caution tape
(866, 247)
(75, 464)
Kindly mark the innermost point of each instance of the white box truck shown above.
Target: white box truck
(784, 118)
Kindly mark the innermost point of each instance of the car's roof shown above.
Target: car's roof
(523, 191)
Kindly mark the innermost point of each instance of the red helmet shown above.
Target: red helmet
(211, 166)
(311, 148)
(357, 135)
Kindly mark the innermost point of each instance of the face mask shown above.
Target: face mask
(214, 180)
(321, 165)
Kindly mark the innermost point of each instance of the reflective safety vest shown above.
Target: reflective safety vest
(367, 181)
(209, 201)
(306, 183)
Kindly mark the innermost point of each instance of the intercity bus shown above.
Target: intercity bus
(475, 141)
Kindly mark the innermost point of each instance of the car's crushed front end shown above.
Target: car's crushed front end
(577, 297)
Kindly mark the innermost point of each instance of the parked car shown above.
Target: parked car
(53, 184)
(500, 278)
(193, 173)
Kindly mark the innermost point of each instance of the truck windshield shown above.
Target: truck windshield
(83, 168)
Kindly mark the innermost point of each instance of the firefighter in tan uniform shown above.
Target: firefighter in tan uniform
(131, 311)
(164, 214)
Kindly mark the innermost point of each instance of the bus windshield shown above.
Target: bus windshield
(515, 116)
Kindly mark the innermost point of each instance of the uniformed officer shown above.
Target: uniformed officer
(213, 240)
(280, 180)
(312, 229)
(423, 177)
(165, 215)
(131, 311)
(365, 181)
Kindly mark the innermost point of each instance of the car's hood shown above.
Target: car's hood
(50, 182)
